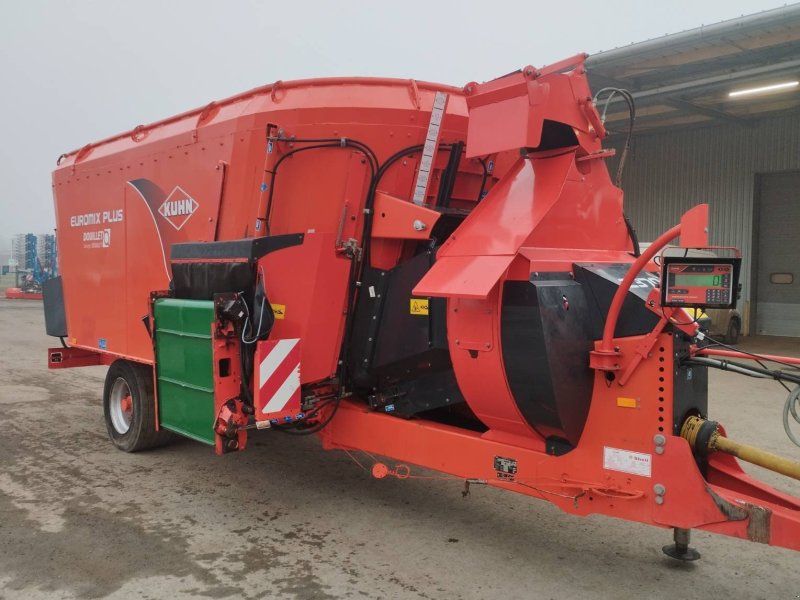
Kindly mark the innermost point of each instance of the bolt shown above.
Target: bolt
(659, 439)
(659, 489)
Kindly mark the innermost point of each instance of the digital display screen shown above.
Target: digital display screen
(694, 282)
(697, 280)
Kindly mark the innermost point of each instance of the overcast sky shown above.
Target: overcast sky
(75, 72)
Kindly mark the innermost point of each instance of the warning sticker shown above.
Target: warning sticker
(279, 310)
(419, 306)
(626, 461)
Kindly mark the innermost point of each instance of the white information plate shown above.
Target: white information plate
(626, 461)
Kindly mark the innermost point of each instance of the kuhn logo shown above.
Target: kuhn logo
(178, 207)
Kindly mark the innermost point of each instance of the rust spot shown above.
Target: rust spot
(731, 511)
(758, 527)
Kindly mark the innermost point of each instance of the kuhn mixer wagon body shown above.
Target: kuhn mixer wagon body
(441, 276)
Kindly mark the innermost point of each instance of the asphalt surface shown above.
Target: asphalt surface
(79, 519)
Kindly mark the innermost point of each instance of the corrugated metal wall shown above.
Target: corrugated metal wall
(667, 173)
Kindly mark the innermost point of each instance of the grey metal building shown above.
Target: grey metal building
(718, 121)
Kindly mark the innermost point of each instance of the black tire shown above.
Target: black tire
(135, 381)
(734, 329)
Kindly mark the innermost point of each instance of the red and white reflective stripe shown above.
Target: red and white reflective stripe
(279, 375)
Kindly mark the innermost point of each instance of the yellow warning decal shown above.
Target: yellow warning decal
(627, 402)
(419, 306)
(279, 310)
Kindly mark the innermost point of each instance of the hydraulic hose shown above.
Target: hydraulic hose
(791, 407)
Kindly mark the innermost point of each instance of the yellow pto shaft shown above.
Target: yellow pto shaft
(704, 438)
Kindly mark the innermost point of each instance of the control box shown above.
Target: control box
(707, 282)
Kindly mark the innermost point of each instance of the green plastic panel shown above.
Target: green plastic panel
(184, 367)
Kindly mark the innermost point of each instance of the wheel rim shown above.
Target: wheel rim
(120, 406)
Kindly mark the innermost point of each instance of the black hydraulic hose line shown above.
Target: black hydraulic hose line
(370, 204)
(340, 141)
(632, 117)
(316, 428)
(246, 374)
(448, 179)
(724, 366)
(308, 415)
(727, 365)
(330, 143)
(274, 172)
(377, 175)
(791, 407)
(484, 180)
(318, 143)
(356, 271)
(757, 357)
(628, 97)
(366, 236)
(637, 252)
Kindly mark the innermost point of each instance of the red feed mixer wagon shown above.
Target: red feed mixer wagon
(443, 277)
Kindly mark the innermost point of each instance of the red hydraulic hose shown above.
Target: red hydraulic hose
(622, 291)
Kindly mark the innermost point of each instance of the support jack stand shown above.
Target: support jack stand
(680, 550)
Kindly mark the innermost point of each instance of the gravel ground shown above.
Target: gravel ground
(285, 519)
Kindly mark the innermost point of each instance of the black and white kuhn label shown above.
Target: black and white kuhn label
(625, 461)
